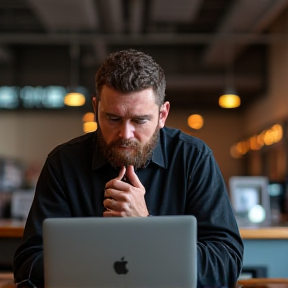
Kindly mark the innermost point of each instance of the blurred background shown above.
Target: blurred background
(206, 47)
(215, 53)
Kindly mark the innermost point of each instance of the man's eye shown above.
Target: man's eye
(113, 119)
(140, 121)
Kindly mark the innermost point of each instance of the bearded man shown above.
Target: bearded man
(133, 166)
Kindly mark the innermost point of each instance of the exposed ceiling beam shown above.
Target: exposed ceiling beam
(217, 81)
(147, 39)
(174, 11)
(65, 15)
(258, 16)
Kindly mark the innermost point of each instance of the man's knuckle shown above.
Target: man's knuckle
(123, 213)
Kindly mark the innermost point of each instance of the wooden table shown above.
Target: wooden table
(263, 283)
(11, 228)
(15, 228)
(6, 280)
(266, 246)
(279, 232)
(11, 232)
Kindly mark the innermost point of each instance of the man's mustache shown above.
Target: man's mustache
(125, 143)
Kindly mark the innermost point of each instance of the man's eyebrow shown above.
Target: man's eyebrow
(112, 115)
(145, 116)
(148, 117)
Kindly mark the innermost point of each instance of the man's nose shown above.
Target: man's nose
(127, 130)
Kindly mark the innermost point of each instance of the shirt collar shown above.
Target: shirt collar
(158, 153)
(99, 160)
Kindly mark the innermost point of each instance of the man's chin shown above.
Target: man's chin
(119, 163)
(125, 158)
(123, 153)
(125, 150)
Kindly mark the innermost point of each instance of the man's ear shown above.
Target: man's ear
(164, 111)
(95, 108)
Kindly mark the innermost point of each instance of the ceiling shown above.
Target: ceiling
(203, 45)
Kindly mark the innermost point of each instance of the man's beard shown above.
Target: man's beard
(137, 156)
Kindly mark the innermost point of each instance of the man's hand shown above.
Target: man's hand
(123, 199)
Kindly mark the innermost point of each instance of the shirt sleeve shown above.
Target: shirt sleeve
(220, 247)
(49, 197)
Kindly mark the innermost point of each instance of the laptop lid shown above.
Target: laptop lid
(120, 252)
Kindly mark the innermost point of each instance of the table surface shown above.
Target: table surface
(11, 228)
(6, 281)
(273, 232)
(14, 228)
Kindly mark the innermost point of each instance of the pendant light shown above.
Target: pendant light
(229, 99)
(74, 98)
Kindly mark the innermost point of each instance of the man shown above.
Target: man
(133, 166)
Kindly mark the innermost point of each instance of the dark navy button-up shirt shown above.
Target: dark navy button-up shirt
(181, 178)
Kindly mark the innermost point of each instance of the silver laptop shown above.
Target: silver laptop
(145, 252)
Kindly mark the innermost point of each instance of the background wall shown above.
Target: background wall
(221, 129)
(274, 106)
(30, 136)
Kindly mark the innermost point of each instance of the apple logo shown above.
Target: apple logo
(120, 266)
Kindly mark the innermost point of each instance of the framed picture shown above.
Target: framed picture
(250, 200)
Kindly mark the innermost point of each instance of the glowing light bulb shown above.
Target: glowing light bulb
(229, 101)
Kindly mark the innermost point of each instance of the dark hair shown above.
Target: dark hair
(131, 70)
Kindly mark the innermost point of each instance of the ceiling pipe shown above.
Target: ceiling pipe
(150, 39)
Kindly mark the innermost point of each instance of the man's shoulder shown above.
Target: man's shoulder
(81, 144)
(178, 137)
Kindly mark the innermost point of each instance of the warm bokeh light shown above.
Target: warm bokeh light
(268, 138)
(195, 121)
(260, 138)
(234, 152)
(229, 101)
(277, 132)
(89, 127)
(256, 142)
(74, 99)
(243, 147)
(88, 117)
(273, 135)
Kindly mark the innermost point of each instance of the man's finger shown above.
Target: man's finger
(121, 173)
(109, 203)
(133, 178)
(118, 178)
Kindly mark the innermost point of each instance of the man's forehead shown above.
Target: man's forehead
(131, 113)
(108, 91)
(134, 103)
